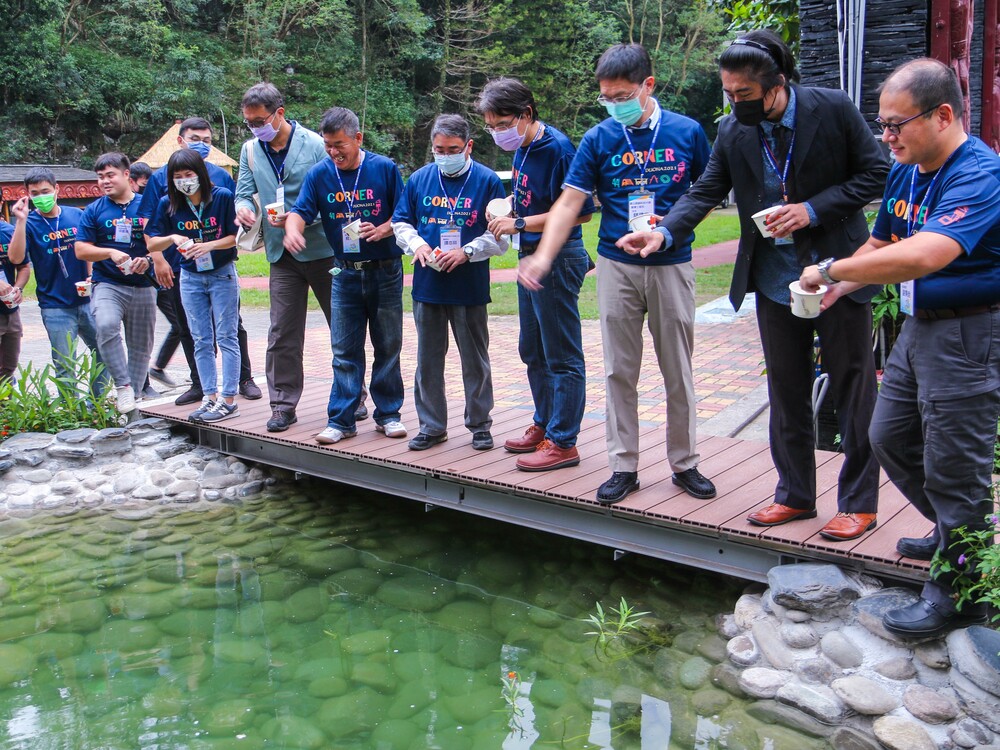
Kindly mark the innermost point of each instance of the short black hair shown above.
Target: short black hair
(507, 97)
(451, 126)
(263, 94)
(762, 57)
(629, 61)
(186, 158)
(929, 82)
(195, 123)
(113, 159)
(36, 175)
(140, 169)
(336, 119)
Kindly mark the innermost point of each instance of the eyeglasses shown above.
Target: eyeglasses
(618, 99)
(502, 126)
(895, 127)
(197, 139)
(260, 123)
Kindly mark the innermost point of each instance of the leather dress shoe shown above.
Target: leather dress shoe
(924, 619)
(528, 442)
(423, 441)
(548, 456)
(845, 526)
(617, 487)
(281, 420)
(695, 484)
(918, 549)
(777, 514)
(190, 396)
(250, 390)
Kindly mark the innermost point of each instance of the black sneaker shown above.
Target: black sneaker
(190, 396)
(423, 441)
(615, 489)
(482, 440)
(281, 420)
(220, 411)
(160, 375)
(249, 390)
(695, 484)
(918, 549)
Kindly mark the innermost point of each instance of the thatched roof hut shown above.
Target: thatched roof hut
(160, 151)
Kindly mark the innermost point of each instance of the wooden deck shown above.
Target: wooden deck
(658, 520)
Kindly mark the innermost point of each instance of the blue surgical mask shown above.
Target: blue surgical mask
(626, 113)
(450, 163)
(199, 147)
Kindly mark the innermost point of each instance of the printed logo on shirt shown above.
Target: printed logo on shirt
(208, 223)
(461, 207)
(957, 215)
(899, 208)
(56, 239)
(3, 252)
(520, 179)
(364, 202)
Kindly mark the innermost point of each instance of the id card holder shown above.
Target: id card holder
(350, 244)
(641, 203)
(515, 242)
(906, 295)
(204, 263)
(279, 195)
(123, 231)
(451, 238)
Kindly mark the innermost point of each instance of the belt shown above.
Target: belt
(362, 265)
(947, 313)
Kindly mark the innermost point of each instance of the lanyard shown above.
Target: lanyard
(641, 162)
(911, 213)
(349, 199)
(279, 173)
(517, 169)
(772, 161)
(58, 253)
(447, 198)
(197, 212)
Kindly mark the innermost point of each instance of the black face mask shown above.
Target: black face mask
(751, 111)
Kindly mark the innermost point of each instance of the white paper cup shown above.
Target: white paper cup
(760, 217)
(641, 223)
(806, 304)
(185, 246)
(353, 230)
(8, 299)
(84, 288)
(498, 208)
(126, 267)
(274, 210)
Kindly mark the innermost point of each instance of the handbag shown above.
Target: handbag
(251, 240)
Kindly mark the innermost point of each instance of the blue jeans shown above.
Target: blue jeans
(363, 301)
(211, 302)
(551, 345)
(63, 325)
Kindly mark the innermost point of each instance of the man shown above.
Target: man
(194, 133)
(273, 165)
(441, 222)
(46, 237)
(13, 278)
(110, 237)
(551, 340)
(639, 161)
(937, 232)
(139, 174)
(810, 151)
(354, 192)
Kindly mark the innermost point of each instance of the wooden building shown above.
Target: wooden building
(77, 187)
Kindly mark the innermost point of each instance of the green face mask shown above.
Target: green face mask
(44, 203)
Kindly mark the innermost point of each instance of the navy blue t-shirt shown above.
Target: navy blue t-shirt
(539, 171)
(605, 164)
(156, 188)
(425, 207)
(48, 241)
(962, 205)
(98, 228)
(218, 220)
(9, 270)
(379, 186)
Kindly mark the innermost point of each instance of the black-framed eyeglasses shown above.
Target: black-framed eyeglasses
(895, 127)
(260, 123)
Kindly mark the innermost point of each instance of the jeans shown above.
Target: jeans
(551, 345)
(211, 302)
(368, 300)
(63, 325)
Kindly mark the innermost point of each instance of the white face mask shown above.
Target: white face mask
(187, 185)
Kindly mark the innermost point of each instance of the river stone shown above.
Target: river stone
(16, 663)
(220, 482)
(727, 677)
(969, 733)
(771, 645)
(6, 464)
(897, 669)
(57, 645)
(366, 643)
(173, 448)
(396, 734)
(472, 651)
(125, 636)
(897, 733)
(742, 650)
(140, 607)
(294, 731)
(815, 700)
(473, 616)
(977, 703)
(726, 626)
(761, 682)
(147, 492)
(933, 654)
(305, 605)
(417, 593)
(229, 717)
(975, 652)
(748, 609)
(712, 647)
(64, 488)
(694, 673)
(870, 609)
(250, 489)
(125, 482)
(798, 635)
(37, 476)
(76, 617)
(28, 441)
(847, 738)
(864, 696)
(69, 450)
(707, 702)
(375, 675)
(772, 712)
(931, 706)
(839, 649)
(811, 587)
(818, 671)
(81, 435)
(686, 641)
(626, 704)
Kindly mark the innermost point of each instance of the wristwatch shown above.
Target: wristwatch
(468, 252)
(519, 224)
(824, 270)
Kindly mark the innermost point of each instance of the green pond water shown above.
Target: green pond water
(325, 617)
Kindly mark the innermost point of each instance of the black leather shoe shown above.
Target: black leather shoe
(923, 619)
(616, 488)
(695, 484)
(190, 396)
(281, 420)
(482, 441)
(918, 549)
(249, 390)
(423, 441)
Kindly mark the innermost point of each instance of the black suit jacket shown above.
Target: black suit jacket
(837, 166)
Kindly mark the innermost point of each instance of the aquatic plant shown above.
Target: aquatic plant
(613, 626)
(511, 693)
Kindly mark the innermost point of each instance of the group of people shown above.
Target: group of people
(336, 219)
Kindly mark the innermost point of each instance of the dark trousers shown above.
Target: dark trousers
(845, 340)
(289, 285)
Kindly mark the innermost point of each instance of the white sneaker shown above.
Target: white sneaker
(393, 429)
(332, 435)
(125, 399)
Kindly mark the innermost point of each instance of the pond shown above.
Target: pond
(327, 617)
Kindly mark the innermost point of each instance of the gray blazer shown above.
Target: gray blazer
(306, 150)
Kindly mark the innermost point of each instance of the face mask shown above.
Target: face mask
(44, 203)
(508, 139)
(200, 147)
(187, 185)
(626, 113)
(450, 163)
(265, 132)
(751, 111)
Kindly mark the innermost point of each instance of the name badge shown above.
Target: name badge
(641, 203)
(123, 231)
(350, 244)
(279, 195)
(906, 294)
(451, 239)
(204, 263)
(515, 242)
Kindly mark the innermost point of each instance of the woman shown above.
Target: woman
(201, 221)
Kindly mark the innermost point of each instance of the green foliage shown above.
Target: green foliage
(513, 712)
(613, 627)
(779, 16)
(996, 452)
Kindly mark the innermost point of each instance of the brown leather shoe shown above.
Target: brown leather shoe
(548, 456)
(777, 514)
(844, 526)
(527, 442)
